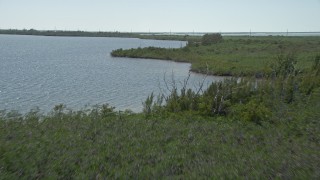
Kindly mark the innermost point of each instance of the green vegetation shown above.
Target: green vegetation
(241, 128)
(247, 99)
(209, 39)
(234, 56)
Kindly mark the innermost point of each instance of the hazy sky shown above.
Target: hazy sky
(162, 15)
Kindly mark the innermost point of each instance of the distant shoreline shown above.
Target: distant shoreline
(180, 36)
(62, 33)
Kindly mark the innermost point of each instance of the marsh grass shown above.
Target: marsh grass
(245, 56)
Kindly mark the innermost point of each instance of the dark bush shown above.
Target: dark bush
(209, 39)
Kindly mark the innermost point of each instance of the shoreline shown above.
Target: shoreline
(180, 61)
(82, 33)
(234, 56)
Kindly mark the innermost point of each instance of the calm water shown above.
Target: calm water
(37, 71)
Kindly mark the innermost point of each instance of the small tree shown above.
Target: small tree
(209, 39)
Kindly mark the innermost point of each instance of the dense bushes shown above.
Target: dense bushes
(91, 145)
(209, 39)
(100, 143)
(246, 99)
(310, 81)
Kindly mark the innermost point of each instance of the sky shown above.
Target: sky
(162, 15)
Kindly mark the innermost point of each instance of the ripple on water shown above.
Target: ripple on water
(45, 71)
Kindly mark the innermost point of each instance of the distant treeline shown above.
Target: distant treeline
(97, 34)
(66, 33)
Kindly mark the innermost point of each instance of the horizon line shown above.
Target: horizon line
(170, 32)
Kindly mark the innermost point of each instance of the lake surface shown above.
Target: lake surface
(39, 71)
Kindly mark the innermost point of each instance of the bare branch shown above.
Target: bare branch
(203, 80)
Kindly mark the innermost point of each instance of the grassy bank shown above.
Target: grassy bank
(245, 56)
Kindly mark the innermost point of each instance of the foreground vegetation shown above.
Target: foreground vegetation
(233, 56)
(68, 145)
(240, 128)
